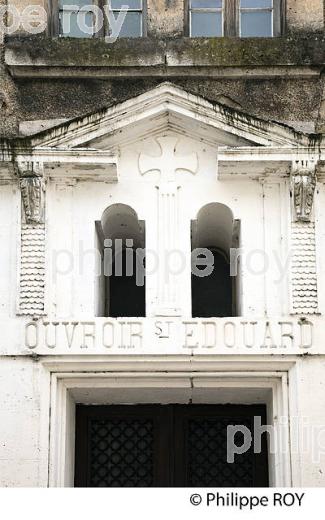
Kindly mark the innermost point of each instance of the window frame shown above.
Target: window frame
(54, 25)
(231, 19)
(271, 10)
(142, 11)
(93, 2)
(207, 10)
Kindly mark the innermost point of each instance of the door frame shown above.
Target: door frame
(162, 380)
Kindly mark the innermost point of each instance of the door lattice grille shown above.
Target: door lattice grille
(207, 455)
(121, 453)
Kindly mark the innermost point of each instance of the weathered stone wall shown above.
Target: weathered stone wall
(294, 100)
(165, 17)
(280, 99)
(8, 100)
(23, 460)
(305, 14)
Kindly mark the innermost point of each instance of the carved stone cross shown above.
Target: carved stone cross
(167, 163)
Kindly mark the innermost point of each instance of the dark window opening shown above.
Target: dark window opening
(126, 297)
(212, 296)
(215, 239)
(120, 284)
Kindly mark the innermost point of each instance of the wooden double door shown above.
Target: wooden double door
(166, 445)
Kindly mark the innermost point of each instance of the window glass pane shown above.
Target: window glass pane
(131, 27)
(206, 24)
(69, 25)
(256, 24)
(256, 3)
(79, 3)
(132, 4)
(206, 3)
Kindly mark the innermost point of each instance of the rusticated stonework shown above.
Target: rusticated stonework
(303, 268)
(32, 270)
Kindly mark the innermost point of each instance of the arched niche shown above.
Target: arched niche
(215, 230)
(121, 283)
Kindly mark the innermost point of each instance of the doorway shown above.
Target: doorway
(166, 445)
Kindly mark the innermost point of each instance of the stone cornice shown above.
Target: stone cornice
(260, 162)
(86, 147)
(299, 55)
(81, 164)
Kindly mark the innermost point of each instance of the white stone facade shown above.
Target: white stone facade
(166, 154)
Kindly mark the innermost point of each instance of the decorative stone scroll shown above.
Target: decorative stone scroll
(303, 189)
(32, 192)
(303, 245)
(32, 189)
(32, 243)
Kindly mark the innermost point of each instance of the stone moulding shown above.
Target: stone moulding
(300, 56)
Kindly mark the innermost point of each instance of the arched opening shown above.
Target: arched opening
(121, 285)
(214, 289)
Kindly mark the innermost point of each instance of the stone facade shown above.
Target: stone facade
(165, 125)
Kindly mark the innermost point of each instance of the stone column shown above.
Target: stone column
(168, 232)
(168, 218)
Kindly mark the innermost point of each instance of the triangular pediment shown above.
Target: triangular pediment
(163, 108)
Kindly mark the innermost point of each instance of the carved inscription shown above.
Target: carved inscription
(137, 336)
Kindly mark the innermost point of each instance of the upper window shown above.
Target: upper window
(206, 18)
(245, 18)
(256, 18)
(75, 20)
(132, 25)
(87, 19)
